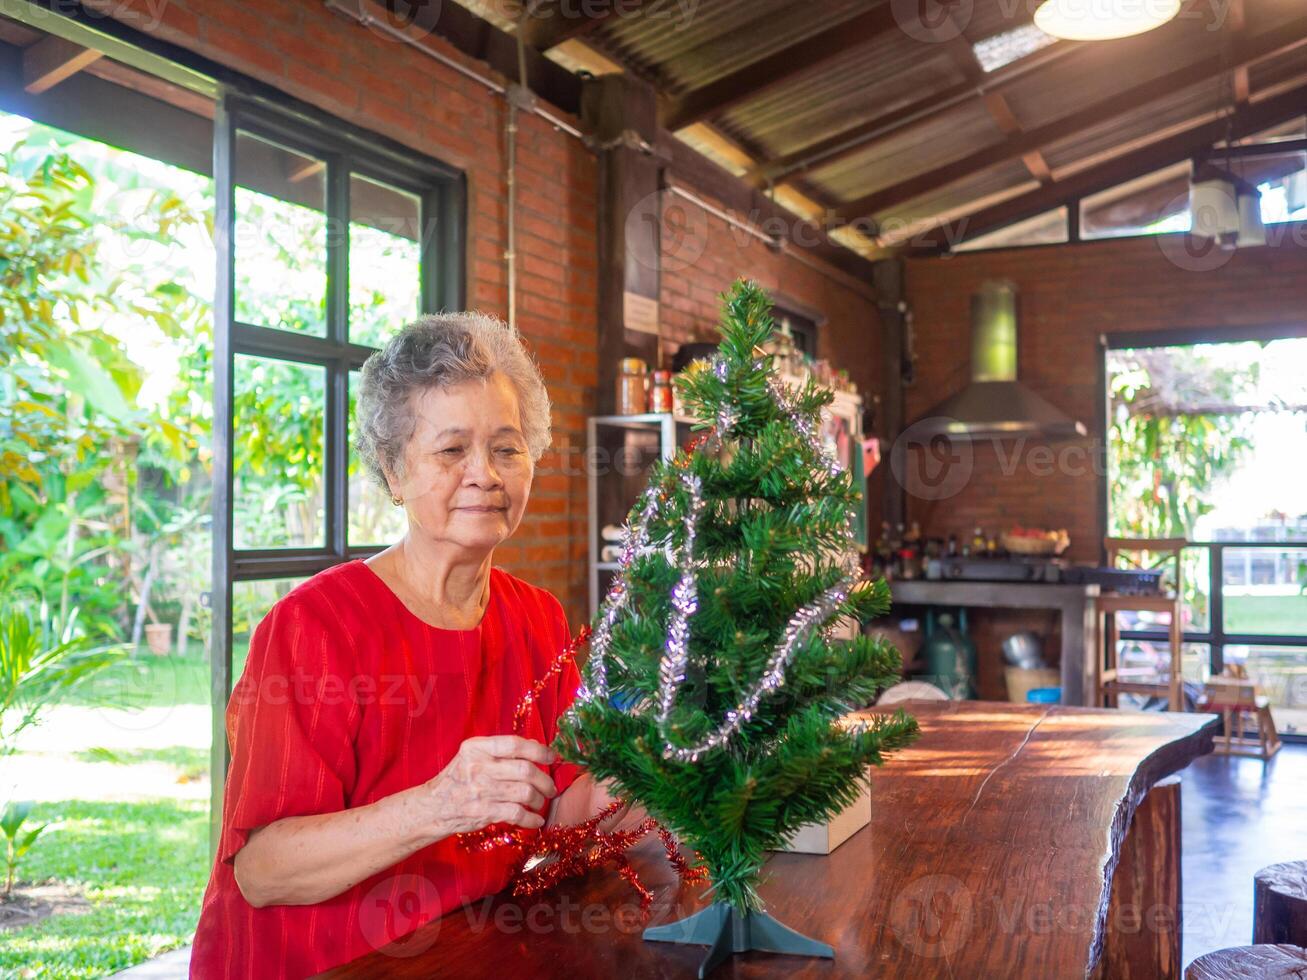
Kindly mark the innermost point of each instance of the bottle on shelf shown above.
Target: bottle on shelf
(978, 543)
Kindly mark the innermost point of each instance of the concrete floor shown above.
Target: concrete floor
(1237, 816)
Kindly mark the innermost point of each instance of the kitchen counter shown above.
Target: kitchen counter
(1075, 604)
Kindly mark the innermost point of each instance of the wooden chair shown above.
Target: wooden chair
(1110, 681)
(1236, 697)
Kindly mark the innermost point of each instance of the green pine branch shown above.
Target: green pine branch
(774, 528)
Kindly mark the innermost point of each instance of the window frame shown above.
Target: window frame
(442, 192)
(1215, 636)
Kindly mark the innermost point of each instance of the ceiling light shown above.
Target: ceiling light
(1101, 20)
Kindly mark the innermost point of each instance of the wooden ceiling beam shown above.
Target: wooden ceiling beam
(964, 56)
(51, 60)
(839, 145)
(1236, 22)
(546, 24)
(1184, 145)
(756, 77)
(1286, 37)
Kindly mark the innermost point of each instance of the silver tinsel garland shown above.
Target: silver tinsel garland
(674, 664)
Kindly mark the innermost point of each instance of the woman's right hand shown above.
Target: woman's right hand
(492, 779)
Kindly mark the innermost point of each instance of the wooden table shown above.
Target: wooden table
(1009, 841)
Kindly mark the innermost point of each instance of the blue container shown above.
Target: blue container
(1044, 695)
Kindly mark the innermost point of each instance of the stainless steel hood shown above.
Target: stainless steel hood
(995, 404)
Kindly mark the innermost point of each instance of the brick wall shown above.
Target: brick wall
(703, 255)
(305, 50)
(1068, 296)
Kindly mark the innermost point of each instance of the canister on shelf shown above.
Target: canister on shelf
(631, 377)
(660, 392)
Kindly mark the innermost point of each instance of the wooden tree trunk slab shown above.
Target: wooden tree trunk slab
(1250, 963)
(1280, 904)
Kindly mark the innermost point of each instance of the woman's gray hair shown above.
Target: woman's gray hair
(438, 351)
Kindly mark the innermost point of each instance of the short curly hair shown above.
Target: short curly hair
(437, 351)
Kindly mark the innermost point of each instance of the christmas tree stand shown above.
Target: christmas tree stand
(729, 932)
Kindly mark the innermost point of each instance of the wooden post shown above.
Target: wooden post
(621, 113)
(887, 278)
(1143, 921)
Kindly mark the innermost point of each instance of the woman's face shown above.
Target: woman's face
(467, 471)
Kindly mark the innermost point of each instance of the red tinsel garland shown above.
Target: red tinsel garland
(575, 849)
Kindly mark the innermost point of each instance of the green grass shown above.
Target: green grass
(191, 762)
(142, 866)
(147, 681)
(1284, 615)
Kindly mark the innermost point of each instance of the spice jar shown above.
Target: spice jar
(630, 386)
(660, 392)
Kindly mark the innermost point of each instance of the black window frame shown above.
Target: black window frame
(346, 151)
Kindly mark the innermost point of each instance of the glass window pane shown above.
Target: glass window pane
(280, 237)
(373, 519)
(1280, 674)
(1149, 662)
(385, 260)
(250, 602)
(1197, 586)
(278, 453)
(1265, 591)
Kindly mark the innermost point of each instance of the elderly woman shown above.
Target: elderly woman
(374, 720)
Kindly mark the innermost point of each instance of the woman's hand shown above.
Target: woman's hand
(492, 779)
(309, 859)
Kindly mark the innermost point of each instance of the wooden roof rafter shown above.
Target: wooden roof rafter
(838, 146)
(758, 76)
(1185, 144)
(546, 24)
(1018, 145)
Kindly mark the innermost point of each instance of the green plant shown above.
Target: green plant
(42, 660)
(17, 841)
(718, 701)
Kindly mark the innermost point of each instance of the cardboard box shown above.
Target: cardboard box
(822, 838)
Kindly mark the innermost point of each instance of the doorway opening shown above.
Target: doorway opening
(1207, 440)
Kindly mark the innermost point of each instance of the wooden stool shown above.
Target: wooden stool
(1236, 698)
(1109, 680)
(1280, 904)
(1250, 963)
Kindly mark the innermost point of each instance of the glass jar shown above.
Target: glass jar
(660, 392)
(631, 377)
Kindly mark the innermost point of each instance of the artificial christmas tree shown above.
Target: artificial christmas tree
(714, 688)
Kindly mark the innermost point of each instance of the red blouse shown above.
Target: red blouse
(348, 697)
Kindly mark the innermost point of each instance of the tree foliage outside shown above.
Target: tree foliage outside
(106, 263)
(765, 546)
(106, 289)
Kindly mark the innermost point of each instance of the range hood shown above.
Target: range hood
(995, 404)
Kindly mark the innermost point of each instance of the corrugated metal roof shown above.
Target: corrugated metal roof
(1147, 122)
(687, 45)
(852, 88)
(909, 152)
(1093, 73)
(684, 45)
